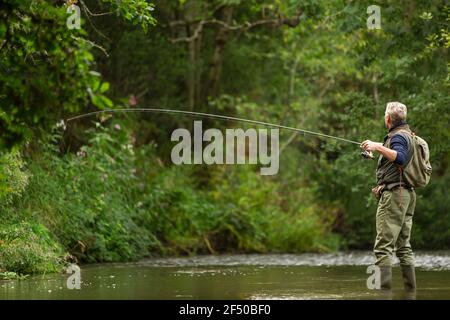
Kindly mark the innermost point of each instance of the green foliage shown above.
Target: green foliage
(113, 202)
(135, 11)
(47, 71)
(13, 177)
(431, 217)
(9, 275)
(108, 192)
(27, 248)
(94, 214)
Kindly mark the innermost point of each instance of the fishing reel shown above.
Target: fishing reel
(367, 154)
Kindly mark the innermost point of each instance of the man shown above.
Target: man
(396, 199)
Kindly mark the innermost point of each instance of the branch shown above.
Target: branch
(92, 44)
(88, 12)
(291, 22)
(194, 36)
(94, 14)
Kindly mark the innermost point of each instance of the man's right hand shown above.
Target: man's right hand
(371, 146)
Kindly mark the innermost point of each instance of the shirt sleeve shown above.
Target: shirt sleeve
(399, 144)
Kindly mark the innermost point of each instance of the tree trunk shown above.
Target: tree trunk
(217, 59)
(191, 78)
(190, 12)
(198, 69)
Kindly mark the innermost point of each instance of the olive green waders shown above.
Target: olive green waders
(394, 222)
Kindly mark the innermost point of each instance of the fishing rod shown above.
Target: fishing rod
(364, 153)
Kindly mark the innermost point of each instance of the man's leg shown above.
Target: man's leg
(389, 220)
(403, 247)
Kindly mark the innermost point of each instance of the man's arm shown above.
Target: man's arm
(389, 154)
(397, 154)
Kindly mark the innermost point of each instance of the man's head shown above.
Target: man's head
(395, 114)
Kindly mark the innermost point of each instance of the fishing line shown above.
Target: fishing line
(213, 116)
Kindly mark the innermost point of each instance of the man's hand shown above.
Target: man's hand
(389, 154)
(371, 146)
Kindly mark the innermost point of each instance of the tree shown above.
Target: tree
(47, 69)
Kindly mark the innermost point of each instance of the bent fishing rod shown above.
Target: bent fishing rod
(364, 153)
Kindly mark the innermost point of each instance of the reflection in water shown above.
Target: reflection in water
(307, 276)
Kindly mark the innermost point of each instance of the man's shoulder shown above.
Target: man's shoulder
(402, 142)
(401, 137)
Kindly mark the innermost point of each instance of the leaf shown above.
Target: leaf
(101, 101)
(104, 87)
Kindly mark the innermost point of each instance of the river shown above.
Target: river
(268, 276)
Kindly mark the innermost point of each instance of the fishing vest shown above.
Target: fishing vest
(387, 172)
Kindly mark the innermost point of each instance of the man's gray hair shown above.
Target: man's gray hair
(396, 111)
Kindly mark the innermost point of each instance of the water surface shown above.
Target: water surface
(285, 276)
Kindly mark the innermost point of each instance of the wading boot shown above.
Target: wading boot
(385, 277)
(409, 278)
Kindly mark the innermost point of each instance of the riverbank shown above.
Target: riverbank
(115, 202)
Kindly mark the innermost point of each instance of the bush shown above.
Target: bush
(28, 248)
(13, 178)
(89, 199)
(110, 201)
